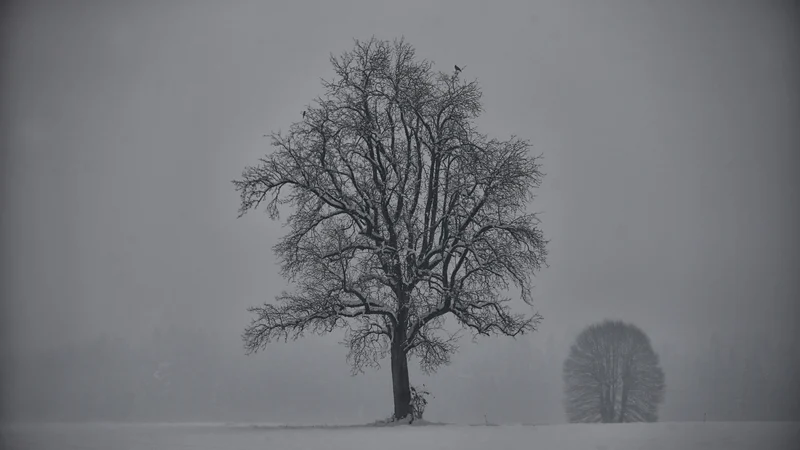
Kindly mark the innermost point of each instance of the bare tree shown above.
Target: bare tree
(612, 374)
(403, 215)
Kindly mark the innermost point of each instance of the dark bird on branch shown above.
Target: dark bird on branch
(304, 114)
(458, 69)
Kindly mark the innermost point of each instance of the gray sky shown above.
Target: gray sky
(669, 131)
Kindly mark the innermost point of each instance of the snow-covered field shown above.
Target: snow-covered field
(667, 436)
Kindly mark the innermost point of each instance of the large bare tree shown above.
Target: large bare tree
(403, 214)
(612, 374)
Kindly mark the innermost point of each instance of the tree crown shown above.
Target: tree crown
(402, 212)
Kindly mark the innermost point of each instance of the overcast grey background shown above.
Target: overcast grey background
(669, 130)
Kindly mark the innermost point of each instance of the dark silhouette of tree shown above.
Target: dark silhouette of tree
(403, 214)
(612, 374)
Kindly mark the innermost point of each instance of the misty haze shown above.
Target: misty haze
(546, 224)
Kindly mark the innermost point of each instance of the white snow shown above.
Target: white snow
(199, 436)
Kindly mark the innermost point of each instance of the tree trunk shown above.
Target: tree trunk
(624, 403)
(401, 387)
(612, 404)
(604, 400)
(627, 379)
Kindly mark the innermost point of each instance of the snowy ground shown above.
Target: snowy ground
(667, 436)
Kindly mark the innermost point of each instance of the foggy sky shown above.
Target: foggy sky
(669, 132)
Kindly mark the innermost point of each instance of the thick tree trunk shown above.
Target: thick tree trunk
(401, 387)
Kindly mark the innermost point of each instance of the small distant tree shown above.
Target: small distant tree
(612, 374)
(404, 214)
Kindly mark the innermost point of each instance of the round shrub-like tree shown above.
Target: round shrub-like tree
(612, 374)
